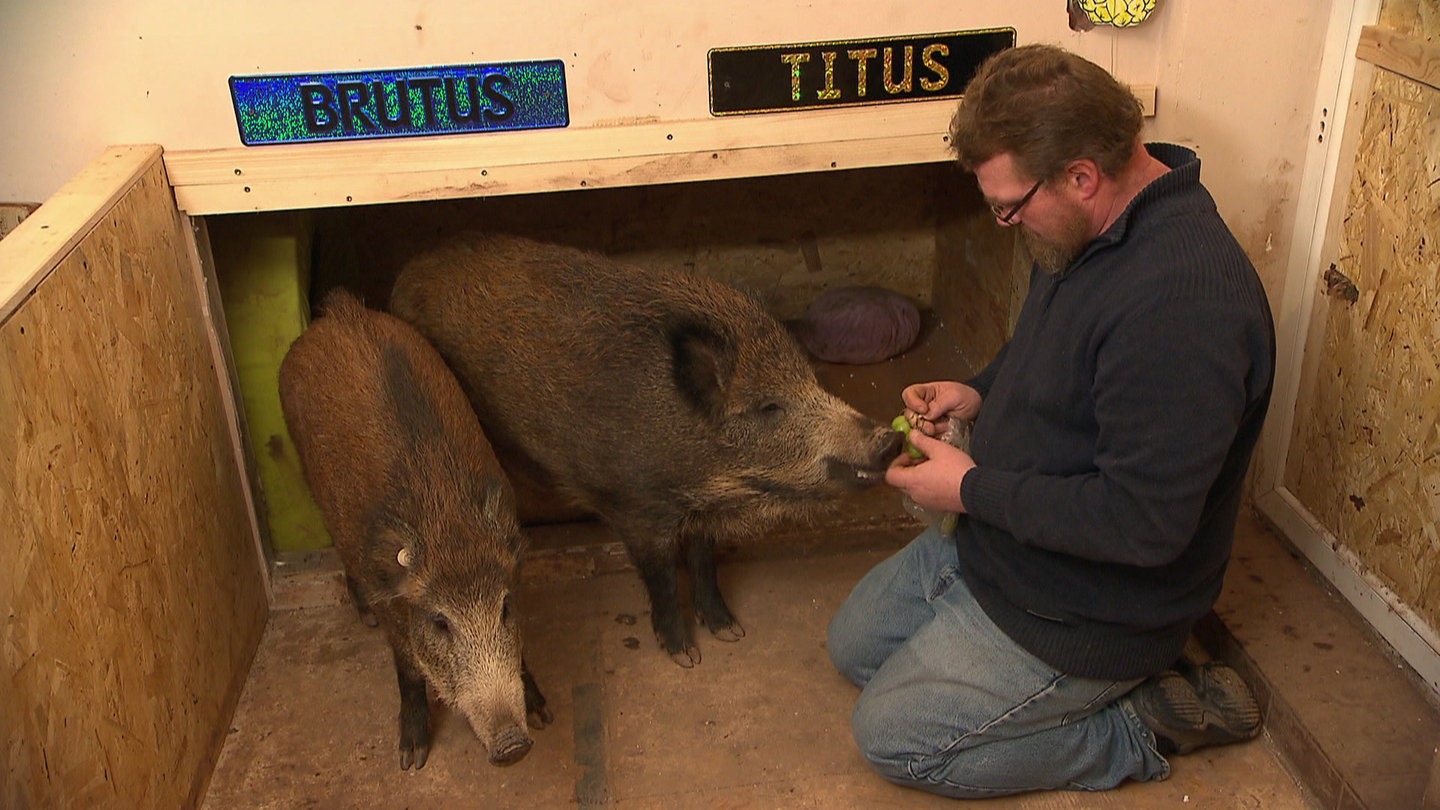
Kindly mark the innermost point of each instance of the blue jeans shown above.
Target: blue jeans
(949, 704)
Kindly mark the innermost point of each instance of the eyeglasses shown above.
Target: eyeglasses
(1005, 216)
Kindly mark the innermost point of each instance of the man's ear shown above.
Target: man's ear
(1083, 177)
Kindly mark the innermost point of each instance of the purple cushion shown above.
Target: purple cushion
(858, 325)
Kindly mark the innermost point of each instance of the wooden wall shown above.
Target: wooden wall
(1365, 452)
(786, 238)
(982, 274)
(130, 585)
(921, 230)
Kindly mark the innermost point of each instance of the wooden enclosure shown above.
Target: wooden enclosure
(134, 592)
(136, 580)
(139, 585)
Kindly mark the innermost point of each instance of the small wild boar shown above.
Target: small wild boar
(670, 405)
(422, 516)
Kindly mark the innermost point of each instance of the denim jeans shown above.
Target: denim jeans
(949, 704)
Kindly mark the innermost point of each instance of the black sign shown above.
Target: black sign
(847, 73)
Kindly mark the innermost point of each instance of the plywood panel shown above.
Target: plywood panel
(130, 587)
(981, 275)
(1411, 57)
(1365, 456)
(336, 174)
(1411, 18)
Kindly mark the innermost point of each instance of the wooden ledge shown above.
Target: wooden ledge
(46, 237)
(1411, 57)
(322, 175)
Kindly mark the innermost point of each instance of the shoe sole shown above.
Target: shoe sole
(1227, 700)
(1204, 706)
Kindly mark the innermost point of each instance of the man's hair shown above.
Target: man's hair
(1046, 107)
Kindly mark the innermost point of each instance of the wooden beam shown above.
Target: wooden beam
(43, 239)
(319, 175)
(1411, 57)
(465, 179)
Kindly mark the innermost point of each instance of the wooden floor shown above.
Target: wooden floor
(763, 722)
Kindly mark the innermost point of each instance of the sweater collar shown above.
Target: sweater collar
(1184, 173)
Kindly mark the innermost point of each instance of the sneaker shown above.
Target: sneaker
(1206, 705)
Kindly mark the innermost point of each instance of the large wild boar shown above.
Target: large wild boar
(670, 405)
(422, 516)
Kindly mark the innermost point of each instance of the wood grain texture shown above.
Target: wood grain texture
(1365, 458)
(129, 583)
(39, 242)
(323, 175)
(1412, 57)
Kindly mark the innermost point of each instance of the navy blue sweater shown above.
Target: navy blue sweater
(1114, 436)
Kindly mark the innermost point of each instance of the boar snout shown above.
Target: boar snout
(510, 746)
(870, 470)
(891, 441)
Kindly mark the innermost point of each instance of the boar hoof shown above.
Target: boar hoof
(733, 632)
(537, 713)
(512, 747)
(415, 754)
(687, 657)
(539, 717)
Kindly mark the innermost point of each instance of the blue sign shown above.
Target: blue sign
(301, 107)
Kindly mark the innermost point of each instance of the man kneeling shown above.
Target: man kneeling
(1037, 646)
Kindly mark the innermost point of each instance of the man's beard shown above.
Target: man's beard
(1054, 255)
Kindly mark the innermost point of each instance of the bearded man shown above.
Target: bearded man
(1039, 645)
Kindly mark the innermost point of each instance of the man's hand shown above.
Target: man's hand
(934, 481)
(931, 405)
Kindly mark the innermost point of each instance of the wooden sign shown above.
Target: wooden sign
(847, 73)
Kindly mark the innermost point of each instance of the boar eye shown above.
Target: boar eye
(505, 609)
(440, 623)
(772, 409)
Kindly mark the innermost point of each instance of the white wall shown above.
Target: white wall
(77, 75)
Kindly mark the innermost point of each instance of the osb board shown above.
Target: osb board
(1365, 457)
(128, 580)
(1416, 18)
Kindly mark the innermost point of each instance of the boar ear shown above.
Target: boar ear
(393, 538)
(704, 362)
(499, 513)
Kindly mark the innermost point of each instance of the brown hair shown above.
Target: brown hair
(1046, 107)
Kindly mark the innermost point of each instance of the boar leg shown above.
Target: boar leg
(362, 605)
(536, 712)
(414, 715)
(710, 605)
(657, 570)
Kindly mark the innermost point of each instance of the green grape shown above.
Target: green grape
(902, 424)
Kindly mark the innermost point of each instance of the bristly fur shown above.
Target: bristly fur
(397, 461)
(698, 416)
